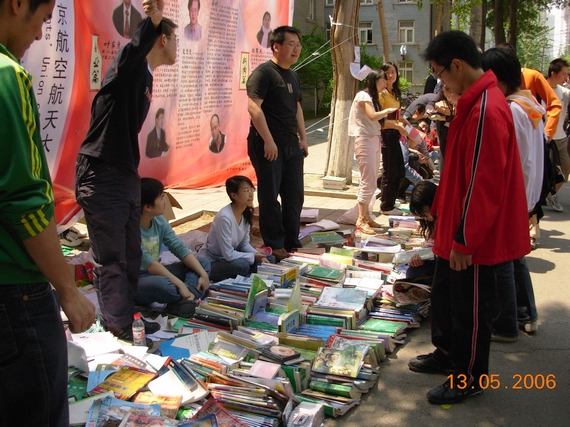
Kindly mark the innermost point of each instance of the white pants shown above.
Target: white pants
(368, 156)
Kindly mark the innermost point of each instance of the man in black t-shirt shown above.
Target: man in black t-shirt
(277, 143)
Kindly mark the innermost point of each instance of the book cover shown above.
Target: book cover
(168, 404)
(264, 369)
(336, 389)
(346, 361)
(381, 325)
(125, 382)
(280, 353)
(230, 350)
(325, 273)
(223, 416)
(207, 421)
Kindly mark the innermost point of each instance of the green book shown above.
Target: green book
(384, 326)
(326, 273)
(315, 319)
(336, 389)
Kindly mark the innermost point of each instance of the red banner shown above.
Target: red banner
(195, 133)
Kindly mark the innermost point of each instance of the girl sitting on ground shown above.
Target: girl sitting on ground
(227, 246)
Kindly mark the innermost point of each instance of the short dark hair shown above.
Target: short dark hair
(190, 3)
(505, 64)
(556, 66)
(450, 45)
(34, 4)
(150, 189)
(168, 26)
(159, 112)
(422, 195)
(278, 34)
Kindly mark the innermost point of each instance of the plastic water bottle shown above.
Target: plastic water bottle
(357, 237)
(139, 336)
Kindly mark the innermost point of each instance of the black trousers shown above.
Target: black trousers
(393, 166)
(279, 223)
(462, 316)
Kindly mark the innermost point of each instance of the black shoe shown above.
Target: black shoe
(126, 334)
(150, 327)
(444, 394)
(427, 364)
(183, 308)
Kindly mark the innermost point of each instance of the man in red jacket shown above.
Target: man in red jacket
(480, 212)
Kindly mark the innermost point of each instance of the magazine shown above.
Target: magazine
(346, 361)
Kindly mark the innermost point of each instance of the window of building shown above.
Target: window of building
(405, 32)
(329, 3)
(365, 2)
(406, 1)
(365, 32)
(406, 70)
(312, 10)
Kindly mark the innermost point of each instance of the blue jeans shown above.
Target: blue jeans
(229, 269)
(153, 288)
(525, 292)
(33, 358)
(505, 310)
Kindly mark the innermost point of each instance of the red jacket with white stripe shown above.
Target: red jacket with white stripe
(480, 204)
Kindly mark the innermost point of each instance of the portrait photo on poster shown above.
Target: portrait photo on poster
(193, 31)
(156, 145)
(218, 139)
(126, 19)
(264, 34)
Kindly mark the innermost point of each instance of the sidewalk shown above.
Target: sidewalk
(399, 398)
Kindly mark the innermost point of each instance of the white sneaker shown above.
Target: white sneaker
(394, 211)
(552, 201)
(70, 237)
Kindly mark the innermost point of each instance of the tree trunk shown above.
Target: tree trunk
(513, 4)
(438, 19)
(384, 31)
(475, 27)
(498, 22)
(483, 23)
(340, 151)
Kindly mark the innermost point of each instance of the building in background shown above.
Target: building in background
(409, 32)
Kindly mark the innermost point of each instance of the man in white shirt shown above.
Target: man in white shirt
(126, 19)
(557, 75)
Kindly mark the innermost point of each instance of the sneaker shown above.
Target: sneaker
(444, 394)
(502, 338)
(150, 327)
(427, 364)
(70, 237)
(533, 243)
(528, 326)
(126, 334)
(184, 308)
(552, 201)
(393, 211)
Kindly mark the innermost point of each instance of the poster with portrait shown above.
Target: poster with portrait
(195, 132)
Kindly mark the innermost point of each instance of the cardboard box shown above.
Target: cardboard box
(334, 183)
(171, 202)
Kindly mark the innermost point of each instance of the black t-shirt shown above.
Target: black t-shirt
(280, 90)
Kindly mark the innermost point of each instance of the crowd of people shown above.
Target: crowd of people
(501, 166)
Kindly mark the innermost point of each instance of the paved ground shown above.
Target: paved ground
(399, 397)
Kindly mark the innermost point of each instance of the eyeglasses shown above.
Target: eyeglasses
(436, 76)
(172, 37)
(248, 190)
(293, 45)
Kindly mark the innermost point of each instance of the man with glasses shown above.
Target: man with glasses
(277, 143)
(480, 206)
(107, 182)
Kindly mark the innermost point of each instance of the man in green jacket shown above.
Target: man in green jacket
(33, 350)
